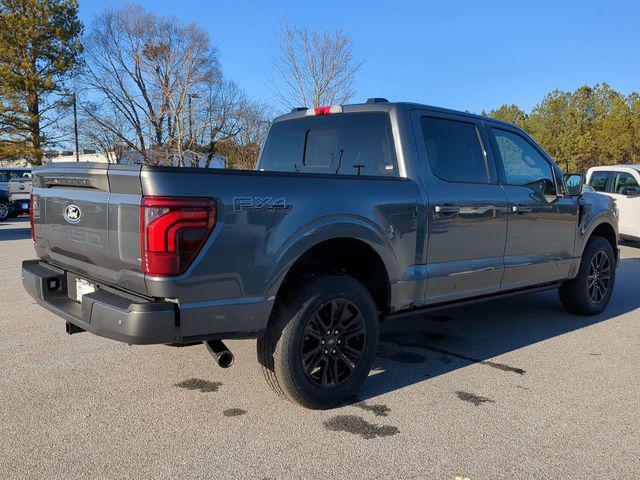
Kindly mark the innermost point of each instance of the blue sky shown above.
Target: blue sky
(467, 55)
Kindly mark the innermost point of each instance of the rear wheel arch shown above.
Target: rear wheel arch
(346, 256)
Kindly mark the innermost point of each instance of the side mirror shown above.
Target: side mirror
(574, 184)
(630, 191)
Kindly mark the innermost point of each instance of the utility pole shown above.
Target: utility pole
(75, 125)
(190, 96)
(74, 99)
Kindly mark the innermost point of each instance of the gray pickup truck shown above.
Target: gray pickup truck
(353, 215)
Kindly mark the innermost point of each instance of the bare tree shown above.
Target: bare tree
(153, 86)
(103, 128)
(314, 68)
(142, 68)
(227, 114)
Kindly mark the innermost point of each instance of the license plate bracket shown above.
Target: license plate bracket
(83, 287)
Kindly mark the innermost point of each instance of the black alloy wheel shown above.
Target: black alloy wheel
(599, 277)
(333, 343)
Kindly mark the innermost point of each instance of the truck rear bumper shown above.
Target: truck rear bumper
(103, 312)
(136, 320)
(20, 206)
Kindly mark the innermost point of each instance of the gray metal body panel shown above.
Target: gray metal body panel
(268, 220)
(465, 245)
(253, 246)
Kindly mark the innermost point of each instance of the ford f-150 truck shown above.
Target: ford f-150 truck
(354, 214)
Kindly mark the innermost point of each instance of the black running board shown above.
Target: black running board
(471, 301)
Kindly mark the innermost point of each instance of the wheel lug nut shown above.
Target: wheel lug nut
(335, 332)
(333, 351)
(338, 341)
(328, 332)
(322, 342)
(325, 351)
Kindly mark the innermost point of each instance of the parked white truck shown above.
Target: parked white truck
(622, 183)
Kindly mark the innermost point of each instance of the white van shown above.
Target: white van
(621, 182)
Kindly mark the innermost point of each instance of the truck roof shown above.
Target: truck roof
(615, 167)
(380, 105)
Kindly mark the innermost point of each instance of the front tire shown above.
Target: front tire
(590, 292)
(321, 341)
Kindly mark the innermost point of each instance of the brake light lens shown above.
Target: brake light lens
(173, 231)
(316, 112)
(33, 233)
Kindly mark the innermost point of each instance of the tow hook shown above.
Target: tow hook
(220, 352)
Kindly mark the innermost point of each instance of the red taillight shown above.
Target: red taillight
(33, 233)
(314, 112)
(172, 232)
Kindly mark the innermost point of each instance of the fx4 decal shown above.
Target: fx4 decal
(268, 204)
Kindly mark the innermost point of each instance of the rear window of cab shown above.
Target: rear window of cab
(343, 144)
(7, 175)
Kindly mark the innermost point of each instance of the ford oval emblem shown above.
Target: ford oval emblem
(72, 214)
(20, 187)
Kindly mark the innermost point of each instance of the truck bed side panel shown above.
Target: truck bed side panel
(263, 215)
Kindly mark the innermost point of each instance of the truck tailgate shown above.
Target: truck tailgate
(20, 189)
(86, 219)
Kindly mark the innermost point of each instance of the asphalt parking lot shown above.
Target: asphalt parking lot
(510, 389)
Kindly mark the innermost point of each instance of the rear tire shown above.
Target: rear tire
(321, 341)
(590, 292)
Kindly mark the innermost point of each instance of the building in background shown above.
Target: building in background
(133, 157)
(85, 156)
(129, 157)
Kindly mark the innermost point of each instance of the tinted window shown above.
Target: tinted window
(623, 180)
(366, 146)
(522, 163)
(6, 175)
(454, 150)
(320, 148)
(358, 143)
(598, 181)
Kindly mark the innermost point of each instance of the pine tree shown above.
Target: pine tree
(39, 48)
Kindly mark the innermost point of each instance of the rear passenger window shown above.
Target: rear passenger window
(598, 181)
(454, 150)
